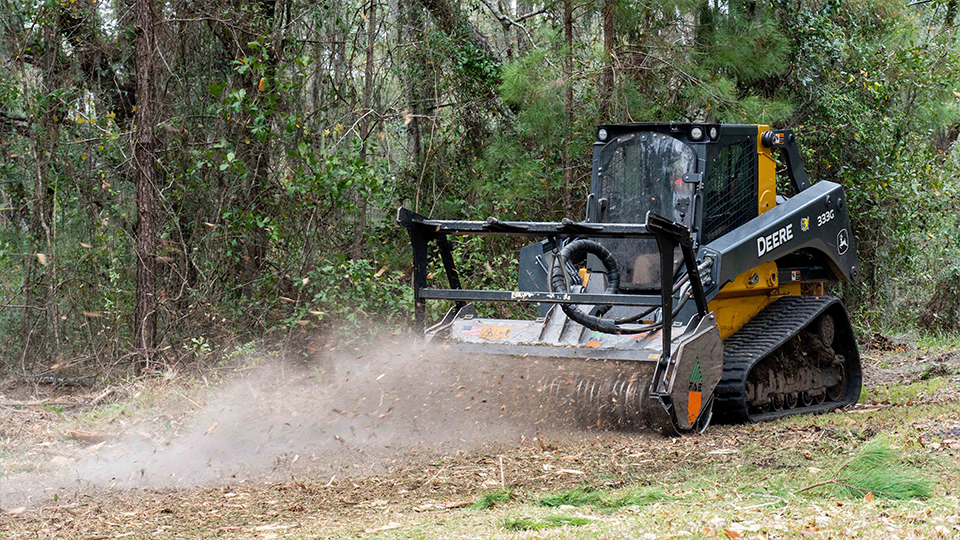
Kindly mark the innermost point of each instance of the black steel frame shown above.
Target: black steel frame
(668, 234)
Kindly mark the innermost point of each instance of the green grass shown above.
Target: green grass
(901, 394)
(530, 524)
(603, 500)
(494, 498)
(636, 497)
(938, 339)
(574, 497)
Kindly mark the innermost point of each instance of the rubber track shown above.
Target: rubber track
(766, 332)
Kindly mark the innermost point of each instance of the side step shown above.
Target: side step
(767, 332)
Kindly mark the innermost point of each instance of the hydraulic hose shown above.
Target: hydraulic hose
(559, 281)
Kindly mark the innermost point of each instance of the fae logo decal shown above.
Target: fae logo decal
(694, 395)
(842, 242)
(805, 224)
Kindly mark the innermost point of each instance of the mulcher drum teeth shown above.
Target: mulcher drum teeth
(764, 334)
(616, 397)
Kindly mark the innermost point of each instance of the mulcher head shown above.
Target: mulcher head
(602, 380)
(642, 359)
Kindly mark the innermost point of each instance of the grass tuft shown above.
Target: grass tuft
(597, 499)
(489, 500)
(530, 524)
(574, 497)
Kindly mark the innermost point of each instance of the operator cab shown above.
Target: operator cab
(703, 176)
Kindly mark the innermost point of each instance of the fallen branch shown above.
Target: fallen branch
(40, 403)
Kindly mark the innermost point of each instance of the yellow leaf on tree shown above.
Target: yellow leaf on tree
(262, 85)
(42, 259)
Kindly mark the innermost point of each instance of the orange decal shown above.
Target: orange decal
(693, 406)
(593, 344)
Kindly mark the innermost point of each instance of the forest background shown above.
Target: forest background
(184, 181)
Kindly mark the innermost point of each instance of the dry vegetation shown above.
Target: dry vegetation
(526, 482)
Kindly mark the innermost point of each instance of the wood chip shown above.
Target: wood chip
(443, 506)
(101, 396)
(87, 437)
(388, 527)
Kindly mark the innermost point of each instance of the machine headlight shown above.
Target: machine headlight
(714, 133)
(602, 134)
(696, 133)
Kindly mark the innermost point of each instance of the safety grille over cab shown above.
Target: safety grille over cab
(730, 189)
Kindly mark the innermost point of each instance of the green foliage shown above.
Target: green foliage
(481, 264)
(737, 48)
(878, 469)
(352, 295)
(547, 522)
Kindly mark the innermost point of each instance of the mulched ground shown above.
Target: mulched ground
(306, 497)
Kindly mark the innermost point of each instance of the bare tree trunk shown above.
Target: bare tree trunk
(565, 161)
(523, 7)
(606, 93)
(40, 322)
(145, 312)
(365, 125)
(411, 32)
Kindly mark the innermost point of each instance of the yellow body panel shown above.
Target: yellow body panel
(744, 297)
(766, 175)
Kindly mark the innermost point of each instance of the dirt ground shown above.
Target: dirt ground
(329, 451)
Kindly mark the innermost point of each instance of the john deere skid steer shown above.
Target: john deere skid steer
(691, 290)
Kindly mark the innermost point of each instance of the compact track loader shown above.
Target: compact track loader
(676, 212)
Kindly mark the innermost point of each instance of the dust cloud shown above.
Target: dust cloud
(356, 414)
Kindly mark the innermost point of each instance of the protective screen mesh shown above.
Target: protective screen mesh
(730, 190)
(643, 172)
